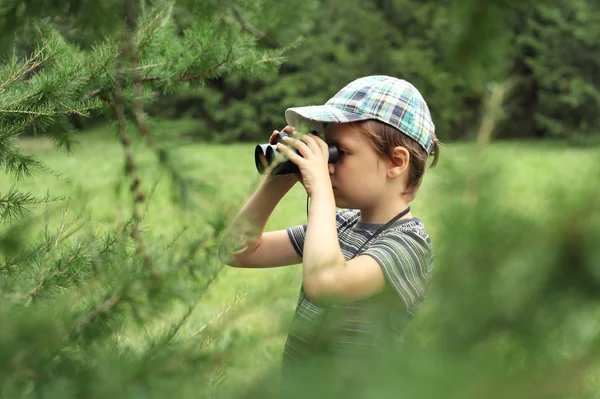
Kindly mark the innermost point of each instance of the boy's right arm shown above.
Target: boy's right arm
(245, 244)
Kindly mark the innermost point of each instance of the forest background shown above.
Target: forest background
(127, 131)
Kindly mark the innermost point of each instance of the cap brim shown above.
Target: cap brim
(316, 115)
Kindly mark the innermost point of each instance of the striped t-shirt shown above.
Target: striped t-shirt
(405, 254)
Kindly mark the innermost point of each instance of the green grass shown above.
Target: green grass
(526, 172)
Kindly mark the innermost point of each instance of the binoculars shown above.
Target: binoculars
(266, 154)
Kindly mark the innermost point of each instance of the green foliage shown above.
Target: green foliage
(512, 307)
(60, 79)
(450, 50)
(70, 294)
(80, 295)
(14, 204)
(563, 49)
(109, 294)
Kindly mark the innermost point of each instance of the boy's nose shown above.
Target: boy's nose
(331, 168)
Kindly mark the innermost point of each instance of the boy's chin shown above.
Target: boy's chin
(340, 202)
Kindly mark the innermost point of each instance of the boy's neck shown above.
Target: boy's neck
(384, 212)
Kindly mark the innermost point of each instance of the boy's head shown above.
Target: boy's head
(390, 111)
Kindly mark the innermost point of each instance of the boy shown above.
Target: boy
(366, 267)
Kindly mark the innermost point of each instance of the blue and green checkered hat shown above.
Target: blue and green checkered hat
(390, 100)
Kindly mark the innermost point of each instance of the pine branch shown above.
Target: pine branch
(18, 165)
(138, 107)
(142, 67)
(195, 303)
(43, 281)
(23, 111)
(217, 317)
(181, 78)
(46, 264)
(484, 134)
(66, 111)
(247, 27)
(34, 62)
(198, 57)
(192, 46)
(90, 69)
(43, 247)
(141, 31)
(204, 73)
(128, 54)
(111, 302)
(95, 93)
(13, 204)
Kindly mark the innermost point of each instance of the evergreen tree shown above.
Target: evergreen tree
(514, 305)
(73, 299)
(557, 87)
(451, 50)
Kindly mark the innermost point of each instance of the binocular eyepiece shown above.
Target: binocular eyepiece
(266, 154)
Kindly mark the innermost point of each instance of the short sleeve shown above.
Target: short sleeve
(406, 259)
(297, 234)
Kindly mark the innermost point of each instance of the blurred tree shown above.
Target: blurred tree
(555, 73)
(450, 50)
(514, 306)
(512, 311)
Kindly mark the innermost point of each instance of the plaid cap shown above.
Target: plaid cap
(390, 100)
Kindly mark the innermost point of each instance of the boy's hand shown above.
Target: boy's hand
(288, 129)
(273, 140)
(313, 164)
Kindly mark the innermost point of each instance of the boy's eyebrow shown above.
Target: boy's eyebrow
(331, 138)
(332, 141)
(338, 141)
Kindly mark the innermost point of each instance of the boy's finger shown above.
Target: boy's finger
(289, 154)
(299, 145)
(316, 145)
(322, 144)
(311, 143)
(273, 138)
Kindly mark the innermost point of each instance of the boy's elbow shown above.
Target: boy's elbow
(229, 252)
(312, 293)
(320, 290)
(229, 259)
(232, 259)
(232, 262)
(324, 285)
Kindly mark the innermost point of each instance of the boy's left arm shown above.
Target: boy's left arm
(327, 276)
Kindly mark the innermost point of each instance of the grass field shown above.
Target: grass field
(90, 175)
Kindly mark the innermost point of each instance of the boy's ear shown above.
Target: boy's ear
(400, 160)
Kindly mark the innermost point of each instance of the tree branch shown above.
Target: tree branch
(247, 27)
(28, 66)
(140, 32)
(217, 317)
(86, 318)
(197, 76)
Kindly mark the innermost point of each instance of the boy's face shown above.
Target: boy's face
(359, 177)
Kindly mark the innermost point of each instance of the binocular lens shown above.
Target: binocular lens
(272, 153)
(263, 157)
